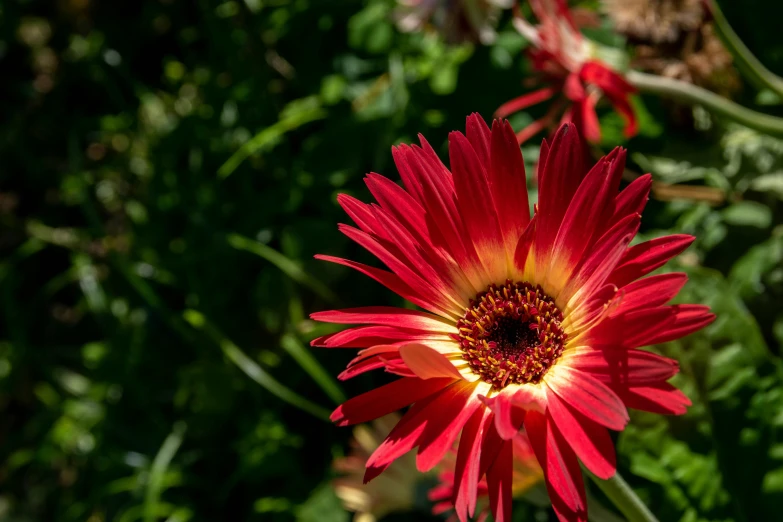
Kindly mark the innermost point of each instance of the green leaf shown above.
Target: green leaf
(322, 506)
(286, 265)
(444, 80)
(292, 118)
(251, 368)
(310, 364)
(748, 272)
(748, 213)
(155, 483)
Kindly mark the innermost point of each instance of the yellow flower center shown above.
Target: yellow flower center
(511, 334)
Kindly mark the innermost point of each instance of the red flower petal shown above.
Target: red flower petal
(573, 88)
(439, 200)
(390, 281)
(615, 367)
(591, 442)
(363, 364)
(405, 211)
(622, 105)
(592, 201)
(663, 324)
(360, 213)
(476, 206)
(608, 80)
(531, 130)
(588, 396)
(409, 266)
(525, 101)
(364, 336)
(592, 310)
(662, 398)
(525, 245)
(633, 199)
(645, 257)
(386, 315)
(559, 178)
(490, 448)
(508, 415)
(386, 399)
(506, 175)
(447, 416)
(651, 292)
(615, 88)
(467, 469)
(596, 267)
(427, 363)
(499, 483)
(399, 204)
(479, 136)
(561, 468)
(403, 437)
(588, 119)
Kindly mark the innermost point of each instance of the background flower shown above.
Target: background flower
(393, 491)
(575, 77)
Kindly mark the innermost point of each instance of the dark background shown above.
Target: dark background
(169, 169)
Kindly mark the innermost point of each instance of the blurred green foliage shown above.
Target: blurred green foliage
(169, 170)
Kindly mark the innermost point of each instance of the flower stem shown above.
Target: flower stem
(624, 498)
(746, 61)
(692, 95)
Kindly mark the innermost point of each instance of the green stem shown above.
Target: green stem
(746, 61)
(624, 498)
(690, 94)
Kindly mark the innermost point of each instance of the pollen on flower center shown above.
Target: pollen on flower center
(511, 334)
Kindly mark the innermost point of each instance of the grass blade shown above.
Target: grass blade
(158, 470)
(286, 265)
(269, 136)
(252, 369)
(310, 364)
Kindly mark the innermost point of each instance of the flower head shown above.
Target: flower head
(525, 473)
(567, 62)
(457, 20)
(525, 322)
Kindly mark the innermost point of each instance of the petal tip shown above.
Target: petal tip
(338, 417)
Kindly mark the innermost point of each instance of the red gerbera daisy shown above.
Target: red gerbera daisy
(527, 321)
(566, 62)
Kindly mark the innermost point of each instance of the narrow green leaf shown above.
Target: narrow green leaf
(251, 368)
(310, 364)
(87, 275)
(23, 251)
(269, 136)
(155, 484)
(286, 265)
(147, 292)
